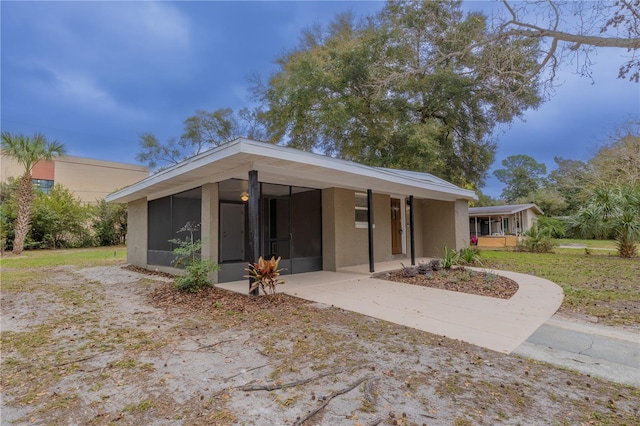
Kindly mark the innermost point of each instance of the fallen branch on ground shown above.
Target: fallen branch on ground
(297, 382)
(290, 384)
(62, 364)
(370, 393)
(328, 399)
(245, 371)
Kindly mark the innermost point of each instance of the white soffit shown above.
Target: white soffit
(277, 164)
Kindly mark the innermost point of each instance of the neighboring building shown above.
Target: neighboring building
(313, 210)
(499, 226)
(89, 180)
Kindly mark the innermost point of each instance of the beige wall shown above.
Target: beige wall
(418, 213)
(329, 228)
(209, 225)
(92, 180)
(89, 180)
(529, 218)
(462, 224)
(137, 233)
(344, 244)
(443, 224)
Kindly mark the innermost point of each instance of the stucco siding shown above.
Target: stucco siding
(418, 213)
(343, 243)
(439, 223)
(461, 224)
(210, 224)
(382, 232)
(328, 229)
(137, 233)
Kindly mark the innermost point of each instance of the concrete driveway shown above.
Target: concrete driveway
(497, 324)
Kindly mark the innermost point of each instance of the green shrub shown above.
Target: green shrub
(451, 258)
(470, 255)
(536, 240)
(196, 269)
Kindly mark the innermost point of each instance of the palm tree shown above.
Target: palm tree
(612, 211)
(27, 151)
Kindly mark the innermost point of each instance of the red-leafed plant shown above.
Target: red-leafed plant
(265, 275)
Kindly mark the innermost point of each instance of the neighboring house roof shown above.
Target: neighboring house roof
(502, 210)
(278, 164)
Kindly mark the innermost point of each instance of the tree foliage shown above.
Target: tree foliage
(59, 220)
(395, 90)
(109, 223)
(522, 176)
(568, 181)
(612, 211)
(618, 163)
(27, 151)
(202, 131)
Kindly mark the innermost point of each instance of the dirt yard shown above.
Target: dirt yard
(107, 345)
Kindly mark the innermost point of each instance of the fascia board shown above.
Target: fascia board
(261, 149)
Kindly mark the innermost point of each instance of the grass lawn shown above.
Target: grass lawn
(599, 284)
(77, 257)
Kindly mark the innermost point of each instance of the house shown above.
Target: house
(318, 213)
(499, 226)
(87, 179)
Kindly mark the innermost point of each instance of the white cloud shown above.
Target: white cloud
(90, 53)
(144, 26)
(78, 90)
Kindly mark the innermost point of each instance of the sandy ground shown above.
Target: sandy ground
(92, 346)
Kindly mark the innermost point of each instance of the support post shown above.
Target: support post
(411, 233)
(370, 228)
(254, 222)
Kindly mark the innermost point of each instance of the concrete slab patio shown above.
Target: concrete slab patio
(497, 324)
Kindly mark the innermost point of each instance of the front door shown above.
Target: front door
(232, 230)
(396, 227)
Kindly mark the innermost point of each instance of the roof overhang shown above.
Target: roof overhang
(287, 166)
(503, 210)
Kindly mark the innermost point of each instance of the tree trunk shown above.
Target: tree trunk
(626, 247)
(25, 200)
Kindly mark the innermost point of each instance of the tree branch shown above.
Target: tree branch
(328, 399)
(595, 41)
(248, 388)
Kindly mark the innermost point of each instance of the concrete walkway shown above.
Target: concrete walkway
(497, 324)
(607, 352)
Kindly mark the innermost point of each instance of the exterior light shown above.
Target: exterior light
(244, 197)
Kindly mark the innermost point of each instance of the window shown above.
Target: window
(43, 185)
(165, 217)
(361, 210)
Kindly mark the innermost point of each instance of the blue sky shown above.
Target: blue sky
(96, 75)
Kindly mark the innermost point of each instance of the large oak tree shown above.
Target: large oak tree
(408, 88)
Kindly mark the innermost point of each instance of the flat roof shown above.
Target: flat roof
(286, 166)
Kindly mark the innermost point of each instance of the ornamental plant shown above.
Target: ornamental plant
(196, 269)
(451, 258)
(265, 275)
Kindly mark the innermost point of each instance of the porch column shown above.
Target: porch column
(411, 234)
(254, 222)
(476, 223)
(370, 227)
